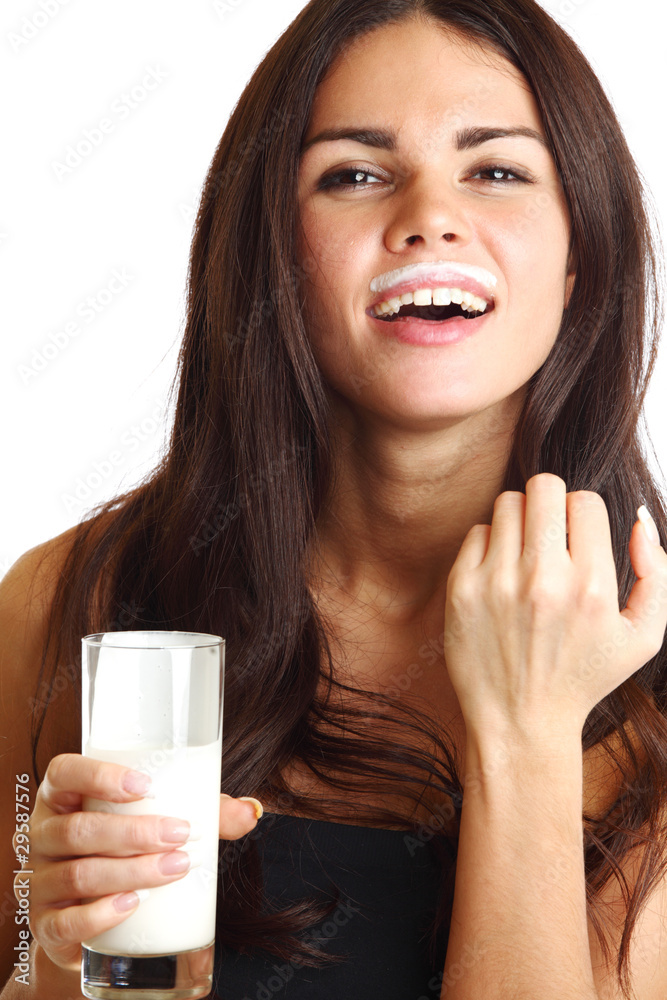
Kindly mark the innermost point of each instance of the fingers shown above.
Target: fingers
(83, 878)
(646, 608)
(507, 528)
(101, 833)
(60, 931)
(87, 864)
(238, 816)
(472, 552)
(545, 518)
(86, 833)
(590, 540)
(70, 776)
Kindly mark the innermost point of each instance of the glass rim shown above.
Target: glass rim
(95, 639)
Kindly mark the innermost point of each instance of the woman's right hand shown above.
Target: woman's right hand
(77, 855)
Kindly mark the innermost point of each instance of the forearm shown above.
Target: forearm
(519, 928)
(44, 980)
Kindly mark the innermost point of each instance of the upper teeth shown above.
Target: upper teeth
(426, 296)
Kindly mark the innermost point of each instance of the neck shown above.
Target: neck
(401, 504)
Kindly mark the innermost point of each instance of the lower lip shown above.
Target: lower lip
(411, 330)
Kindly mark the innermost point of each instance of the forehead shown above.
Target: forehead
(425, 76)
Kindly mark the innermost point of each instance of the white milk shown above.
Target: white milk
(180, 916)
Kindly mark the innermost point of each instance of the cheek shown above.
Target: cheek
(332, 255)
(531, 245)
(337, 242)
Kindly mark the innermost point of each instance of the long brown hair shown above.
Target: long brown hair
(214, 539)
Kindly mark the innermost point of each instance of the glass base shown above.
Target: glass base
(186, 974)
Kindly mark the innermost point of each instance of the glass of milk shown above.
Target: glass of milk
(152, 701)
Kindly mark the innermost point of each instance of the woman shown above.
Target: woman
(417, 536)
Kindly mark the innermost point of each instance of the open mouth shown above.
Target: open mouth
(435, 314)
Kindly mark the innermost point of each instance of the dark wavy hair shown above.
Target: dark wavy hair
(214, 539)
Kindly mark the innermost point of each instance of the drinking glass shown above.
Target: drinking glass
(152, 701)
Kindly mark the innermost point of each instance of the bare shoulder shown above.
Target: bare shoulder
(26, 592)
(35, 573)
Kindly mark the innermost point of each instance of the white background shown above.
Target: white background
(128, 207)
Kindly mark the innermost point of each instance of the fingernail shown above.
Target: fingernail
(129, 900)
(138, 783)
(172, 864)
(257, 806)
(648, 524)
(174, 830)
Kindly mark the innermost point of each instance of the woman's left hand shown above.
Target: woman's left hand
(534, 638)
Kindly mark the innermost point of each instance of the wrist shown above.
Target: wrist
(503, 759)
(542, 738)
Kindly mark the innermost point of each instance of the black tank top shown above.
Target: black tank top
(388, 884)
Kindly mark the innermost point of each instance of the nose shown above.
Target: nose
(427, 213)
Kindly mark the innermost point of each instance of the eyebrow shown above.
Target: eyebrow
(467, 138)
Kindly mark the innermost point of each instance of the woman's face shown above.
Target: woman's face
(449, 191)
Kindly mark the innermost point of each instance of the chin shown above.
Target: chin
(429, 414)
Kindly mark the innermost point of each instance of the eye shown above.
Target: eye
(498, 173)
(332, 180)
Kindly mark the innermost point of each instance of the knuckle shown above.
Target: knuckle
(76, 879)
(82, 827)
(57, 928)
(461, 591)
(544, 592)
(502, 586)
(61, 772)
(142, 830)
(593, 597)
(57, 768)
